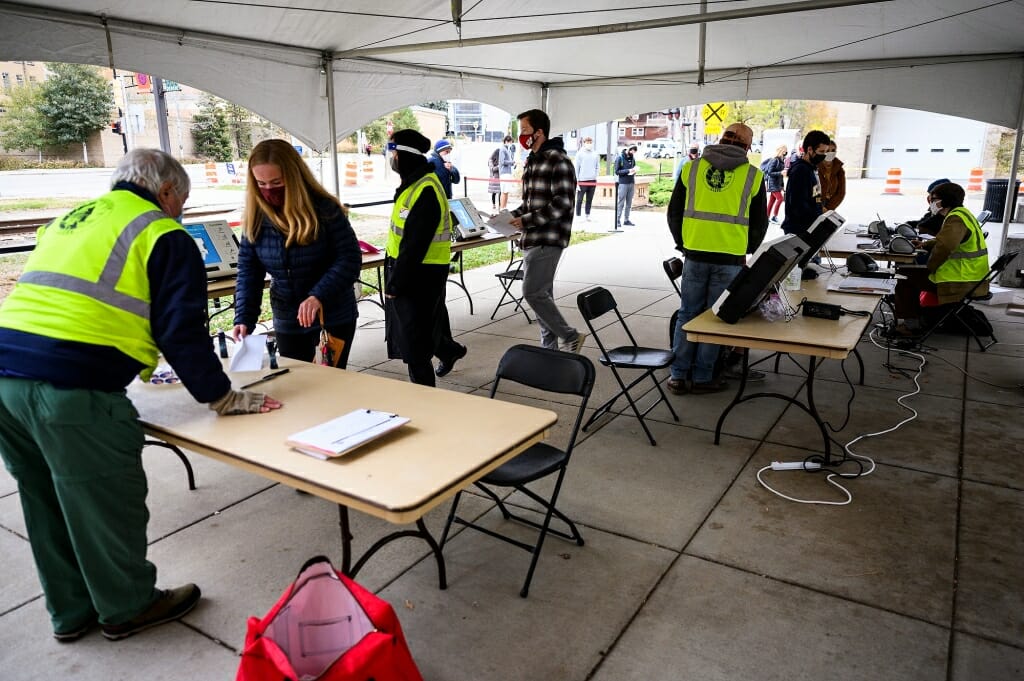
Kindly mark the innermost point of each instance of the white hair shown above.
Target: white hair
(150, 168)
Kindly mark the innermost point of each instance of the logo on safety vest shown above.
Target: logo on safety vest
(718, 180)
(71, 220)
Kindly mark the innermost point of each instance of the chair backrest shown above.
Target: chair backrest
(596, 302)
(551, 371)
(1001, 262)
(674, 270)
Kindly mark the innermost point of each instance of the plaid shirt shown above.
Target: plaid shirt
(549, 185)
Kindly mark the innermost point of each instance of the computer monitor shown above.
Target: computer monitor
(218, 246)
(467, 223)
(767, 267)
(818, 234)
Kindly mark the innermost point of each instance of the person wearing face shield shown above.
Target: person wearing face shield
(298, 233)
(109, 287)
(929, 223)
(803, 190)
(833, 179)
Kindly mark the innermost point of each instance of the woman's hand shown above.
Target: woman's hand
(239, 332)
(308, 311)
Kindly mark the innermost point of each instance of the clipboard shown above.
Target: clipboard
(340, 436)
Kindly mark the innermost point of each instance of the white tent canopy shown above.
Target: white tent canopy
(581, 61)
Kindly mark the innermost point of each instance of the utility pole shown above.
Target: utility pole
(161, 115)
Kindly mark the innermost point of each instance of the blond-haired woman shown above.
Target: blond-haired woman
(298, 233)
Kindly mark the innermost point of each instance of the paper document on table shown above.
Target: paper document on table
(863, 285)
(502, 223)
(249, 354)
(345, 433)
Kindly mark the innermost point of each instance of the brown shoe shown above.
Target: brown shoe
(678, 386)
(170, 605)
(713, 386)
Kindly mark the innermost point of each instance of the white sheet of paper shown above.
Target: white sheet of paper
(502, 223)
(249, 354)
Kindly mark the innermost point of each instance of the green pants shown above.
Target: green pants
(77, 457)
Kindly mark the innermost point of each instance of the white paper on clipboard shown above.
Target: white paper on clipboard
(249, 354)
(502, 224)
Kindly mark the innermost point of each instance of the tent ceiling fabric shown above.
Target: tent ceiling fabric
(958, 57)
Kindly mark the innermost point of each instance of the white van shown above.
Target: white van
(661, 149)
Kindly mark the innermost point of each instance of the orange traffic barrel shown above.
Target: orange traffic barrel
(211, 173)
(974, 183)
(892, 181)
(368, 170)
(351, 173)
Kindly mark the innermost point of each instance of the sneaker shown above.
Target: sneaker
(75, 633)
(629, 224)
(678, 386)
(574, 345)
(753, 375)
(170, 605)
(712, 386)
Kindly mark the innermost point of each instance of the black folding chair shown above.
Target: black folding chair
(674, 271)
(512, 274)
(955, 309)
(553, 371)
(597, 302)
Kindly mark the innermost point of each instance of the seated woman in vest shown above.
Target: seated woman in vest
(298, 233)
(957, 259)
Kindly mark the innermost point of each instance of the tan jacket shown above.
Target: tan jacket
(833, 184)
(947, 242)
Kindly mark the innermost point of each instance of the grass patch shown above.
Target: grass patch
(232, 187)
(11, 205)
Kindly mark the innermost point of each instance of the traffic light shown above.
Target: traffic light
(115, 127)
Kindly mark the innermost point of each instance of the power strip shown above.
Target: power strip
(821, 310)
(795, 466)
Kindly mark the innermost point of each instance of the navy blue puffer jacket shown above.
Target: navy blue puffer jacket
(326, 268)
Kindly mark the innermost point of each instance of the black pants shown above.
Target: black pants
(417, 325)
(587, 191)
(302, 346)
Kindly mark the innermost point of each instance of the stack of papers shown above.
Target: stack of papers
(345, 433)
(863, 285)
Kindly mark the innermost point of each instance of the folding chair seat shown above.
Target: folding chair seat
(957, 308)
(674, 271)
(551, 371)
(512, 274)
(597, 302)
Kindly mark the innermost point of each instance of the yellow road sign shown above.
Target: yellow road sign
(714, 117)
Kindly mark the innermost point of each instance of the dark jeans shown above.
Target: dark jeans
(302, 346)
(585, 191)
(702, 284)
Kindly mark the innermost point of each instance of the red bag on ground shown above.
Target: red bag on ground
(928, 299)
(326, 627)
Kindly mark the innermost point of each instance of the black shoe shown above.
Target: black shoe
(678, 386)
(629, 224)
(75, 633)
(172, 604)
(444, 367)
(712, 386)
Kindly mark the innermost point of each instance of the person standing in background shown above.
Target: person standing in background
(772, 169)
(296, 232)
(545, 218)
(832, 178)
(625, 171)
(443, 166)
(587, 167)
(494, 186)
(506, 164)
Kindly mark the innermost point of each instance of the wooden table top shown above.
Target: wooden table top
(802, 335)
(452, 440)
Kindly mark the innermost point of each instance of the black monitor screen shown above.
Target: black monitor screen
(767, 267)
(818, 234)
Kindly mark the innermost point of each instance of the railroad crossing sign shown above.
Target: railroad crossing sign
(714, 117)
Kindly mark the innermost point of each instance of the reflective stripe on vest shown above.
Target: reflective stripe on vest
(439, 251)
(969, 262)
(103, 289)
(717, 221)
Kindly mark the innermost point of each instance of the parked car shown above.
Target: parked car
(658, 149)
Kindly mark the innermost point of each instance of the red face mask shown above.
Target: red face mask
(273, 195)
(526, 141)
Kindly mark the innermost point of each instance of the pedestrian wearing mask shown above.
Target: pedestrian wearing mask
(587, 168)
(803, 190)
(625, 170)
(296, 232)
(772, 169)
(506, 164)
(832, 178)
(443, 166)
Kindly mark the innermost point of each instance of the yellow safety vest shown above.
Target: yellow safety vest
(86, 280)
(969, 262)
(717, 211)
(440, 250)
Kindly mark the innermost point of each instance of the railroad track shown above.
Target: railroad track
(22, 227)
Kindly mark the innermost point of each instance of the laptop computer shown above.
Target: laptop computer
(218, 246)
(467, 223)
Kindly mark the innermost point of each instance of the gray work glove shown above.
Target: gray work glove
(238, 402)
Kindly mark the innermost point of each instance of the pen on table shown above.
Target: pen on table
(264, 379)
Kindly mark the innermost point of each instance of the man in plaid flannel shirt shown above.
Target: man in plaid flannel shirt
(545, 218)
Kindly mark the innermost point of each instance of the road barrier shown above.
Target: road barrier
(368, 170)
(974, 183)
(892, 182)
(211, 173)
(351, 173)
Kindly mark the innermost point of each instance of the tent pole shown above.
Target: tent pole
(702, 44)
(327, 68)
(1011, 189)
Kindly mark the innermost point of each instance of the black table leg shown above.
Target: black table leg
(421, 532)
